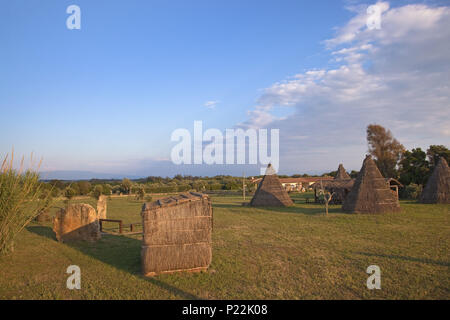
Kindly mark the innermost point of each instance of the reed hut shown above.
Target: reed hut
(340, 186)
(437, 189)
(177, 234)
(270, 192)
(341, 173)
(371, 192)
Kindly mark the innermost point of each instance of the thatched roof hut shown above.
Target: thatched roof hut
(437, 189)
(340, 186)
(370, 192)
(177, 234)
(342, 174)
(270, 192)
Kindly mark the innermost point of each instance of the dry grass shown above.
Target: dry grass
(258, 253)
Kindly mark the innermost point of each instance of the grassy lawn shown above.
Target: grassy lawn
(266, 253)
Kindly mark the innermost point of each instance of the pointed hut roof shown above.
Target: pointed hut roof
(341, 173)
(437, 189)
(270, 192)
(370, 192)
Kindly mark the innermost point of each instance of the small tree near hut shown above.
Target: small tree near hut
(327, 196)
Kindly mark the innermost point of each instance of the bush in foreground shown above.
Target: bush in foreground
(22, 198)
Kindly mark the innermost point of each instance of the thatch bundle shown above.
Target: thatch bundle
(177, 234)
(370, 192)
(77, 222)
(437, 189)
(102, 207)
(270, 192)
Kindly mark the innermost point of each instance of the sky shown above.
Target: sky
(107, 98)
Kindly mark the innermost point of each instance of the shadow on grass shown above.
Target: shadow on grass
(411, 259)
(123, 253)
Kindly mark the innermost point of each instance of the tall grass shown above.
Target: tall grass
(22, 198)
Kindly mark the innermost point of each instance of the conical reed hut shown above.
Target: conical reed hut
(270, 192)
(437, 189)
(339, 187)
(342, 174)
(370, 192)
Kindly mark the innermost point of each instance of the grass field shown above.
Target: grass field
(267, 253)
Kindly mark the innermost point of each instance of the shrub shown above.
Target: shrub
(412, 191)
(140, 193)
(69, 193)
(22, 198)
(98, 191)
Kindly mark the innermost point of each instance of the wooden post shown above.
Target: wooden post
(120, 227)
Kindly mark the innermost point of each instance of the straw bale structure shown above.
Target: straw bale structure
(437, 189)
(77, 222)
(371, 192)
(177, 234)
(270, 192)
(102, 207)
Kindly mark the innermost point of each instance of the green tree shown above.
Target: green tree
(434, 152)
(107, 189)
(84, 187)
(385, 149)
(414, 167)
(98, 191)
(126, 186)
(140, 193)
(69, 193)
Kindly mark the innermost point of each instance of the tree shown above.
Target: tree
(84, 187)
(69, 193)
(414, 167)
(434, 152)
(385, 149)
(98, 191)
(140, 193)
(126, 186)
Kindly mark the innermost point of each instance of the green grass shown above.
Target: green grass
(264, 253)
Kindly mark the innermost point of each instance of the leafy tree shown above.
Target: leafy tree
(140, 193)
(69, 193)
(58, 184)
(434, 152)
(98, 191)
(414, 167)
(84, 187)
(354, 174)
(107, 189)
(385, 149)
(126, 186)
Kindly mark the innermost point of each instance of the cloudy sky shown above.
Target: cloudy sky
(107, 98)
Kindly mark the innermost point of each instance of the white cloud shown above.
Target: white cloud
(211, 104)
(397, 76)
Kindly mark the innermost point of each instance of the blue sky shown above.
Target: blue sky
(107, 97)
